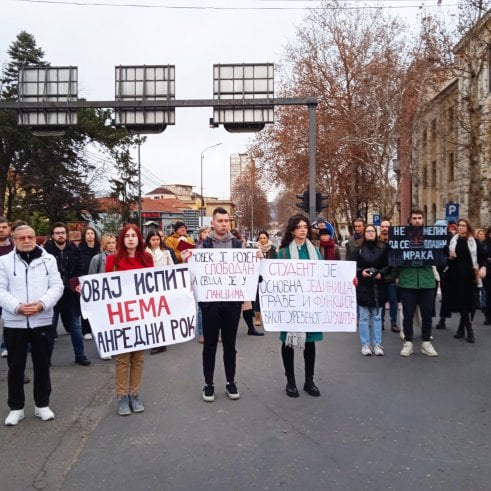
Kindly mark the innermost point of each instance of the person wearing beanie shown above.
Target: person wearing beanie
(179, 240)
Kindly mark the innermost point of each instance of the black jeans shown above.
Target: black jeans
(412, 298)
(220, 317)
(18, 341)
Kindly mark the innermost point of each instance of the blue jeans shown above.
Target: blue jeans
(68, 309)
(391, 291)
(367, 314)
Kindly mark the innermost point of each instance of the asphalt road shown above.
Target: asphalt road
(385, 423)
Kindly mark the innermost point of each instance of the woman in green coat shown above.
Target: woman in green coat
(296, 244)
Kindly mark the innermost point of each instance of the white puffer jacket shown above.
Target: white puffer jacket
(38, 281)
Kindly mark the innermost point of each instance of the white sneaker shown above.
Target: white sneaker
(44, 413)
(407, 349)
(427, 349)
(88, 336)
(378, 350)
(14, 417)
(108, 357)
(4, 353)
(365, 350)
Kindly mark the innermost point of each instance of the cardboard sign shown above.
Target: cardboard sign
(139, 309)
(308, 296)
(224, 275)
(417, 246)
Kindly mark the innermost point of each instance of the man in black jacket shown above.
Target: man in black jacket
(220, 317)
(69, 264)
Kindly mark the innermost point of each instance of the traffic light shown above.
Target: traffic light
(304, 204)
(319, 202)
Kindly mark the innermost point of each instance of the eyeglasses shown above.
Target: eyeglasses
(27, 237)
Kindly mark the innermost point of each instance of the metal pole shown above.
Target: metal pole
(201, 192)
(202, 210)
(139, 186)
(312, 161)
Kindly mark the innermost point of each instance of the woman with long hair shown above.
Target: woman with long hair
(269, 252)
(371, 267)
(130, 255)
(88, 247)
(296, 244)
(463, 265)
(153, 245)
(98, 262)
(161, 257)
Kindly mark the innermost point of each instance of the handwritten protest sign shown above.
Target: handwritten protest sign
(139, 309)
(308, 296)
(417, 246)
(224, 275)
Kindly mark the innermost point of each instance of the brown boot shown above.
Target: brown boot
(257, 319)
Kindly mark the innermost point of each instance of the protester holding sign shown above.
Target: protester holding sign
(130, 254)
(371, 268)
(220, 317)
(296, 244)
(417, 288)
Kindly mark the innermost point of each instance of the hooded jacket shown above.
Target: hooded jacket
(20, 282)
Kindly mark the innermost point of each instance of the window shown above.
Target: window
(433, 129)
(451, 167)
(425, 177)
(433, 174)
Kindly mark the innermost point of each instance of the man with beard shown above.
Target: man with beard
(69, 264)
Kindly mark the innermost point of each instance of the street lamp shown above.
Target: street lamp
(202, 198)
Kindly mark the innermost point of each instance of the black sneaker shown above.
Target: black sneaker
(232, 391)
(208, 394)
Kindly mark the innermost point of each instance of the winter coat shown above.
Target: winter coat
(172, 241)
(371, 292)
(68, 259)
(86, 255)
(20, 282)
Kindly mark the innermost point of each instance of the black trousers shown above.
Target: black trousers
(220, 317)
(287, 355)
(18, 341)
(422, 298)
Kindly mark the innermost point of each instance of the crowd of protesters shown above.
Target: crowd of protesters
(32, 310)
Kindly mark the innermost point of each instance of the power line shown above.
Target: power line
(419, 5)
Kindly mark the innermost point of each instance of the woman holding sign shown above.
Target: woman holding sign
(296, 244)
(130, 254)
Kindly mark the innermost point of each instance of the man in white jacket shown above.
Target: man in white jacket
(30, 285)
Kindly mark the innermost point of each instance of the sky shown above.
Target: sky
(97, 35)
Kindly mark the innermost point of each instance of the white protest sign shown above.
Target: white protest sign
(139, 309)
(308, 296)
(224, 275)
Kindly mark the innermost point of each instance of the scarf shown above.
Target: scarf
(297, 339)
(265, 248)
(327, 249)
(471, 244)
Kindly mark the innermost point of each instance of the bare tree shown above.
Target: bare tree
(251, 203)
(353, 61)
